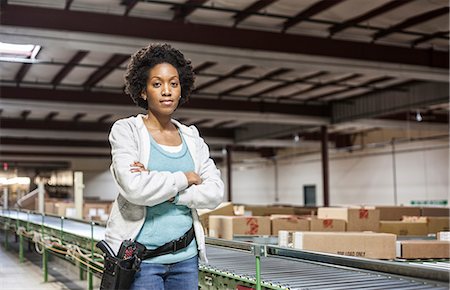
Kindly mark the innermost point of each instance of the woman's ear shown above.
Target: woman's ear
(144, 96)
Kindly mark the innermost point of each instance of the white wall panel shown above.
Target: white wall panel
(422, 173)
(254, 185)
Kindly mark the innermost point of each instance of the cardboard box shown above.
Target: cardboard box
(401, 228)
(367, 245)
(435, 224)
(327, 225)
(225, 208)
(96, 210)
(438, 224)
(396, 213)
(435, 211)
(288, 223)
(227, 226)
(443, 236)
(305, 211)
(49, 207)
(60, 208)
(358, 219)
(426, 249)
(257, 210)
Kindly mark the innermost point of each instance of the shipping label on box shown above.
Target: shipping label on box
(328, 225)
(426, 249)
(288, 223)
(367, 245)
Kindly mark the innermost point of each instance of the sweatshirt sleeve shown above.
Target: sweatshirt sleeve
(208, 194)
(143, 188)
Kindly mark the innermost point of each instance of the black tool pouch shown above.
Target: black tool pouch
(118, 273)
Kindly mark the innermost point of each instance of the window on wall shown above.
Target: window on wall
(309, 195)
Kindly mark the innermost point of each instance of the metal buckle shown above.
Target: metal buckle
(182, 245)
(174, 248)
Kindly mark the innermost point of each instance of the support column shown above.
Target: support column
(325, 178)
(394, 171)
(5, 197)
(41, 196)
(275, 166)
(229, 173)
(78, 187)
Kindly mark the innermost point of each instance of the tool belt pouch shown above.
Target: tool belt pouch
(119, 273)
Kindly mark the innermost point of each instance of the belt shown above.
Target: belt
(168, 248)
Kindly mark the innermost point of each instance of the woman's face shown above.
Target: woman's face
(163, 89)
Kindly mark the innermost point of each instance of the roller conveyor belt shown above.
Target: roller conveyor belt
(278, 270)
(295, 274)
(78, 228)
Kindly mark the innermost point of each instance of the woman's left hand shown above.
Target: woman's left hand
(137, 167)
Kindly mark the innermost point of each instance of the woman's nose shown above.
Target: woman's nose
(166, 90)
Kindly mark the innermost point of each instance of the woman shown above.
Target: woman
(163, 172)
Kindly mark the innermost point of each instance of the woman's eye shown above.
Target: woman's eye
(156, 85)
(174, 85)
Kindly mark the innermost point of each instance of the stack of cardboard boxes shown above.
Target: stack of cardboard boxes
(92, 210)
(357, 231)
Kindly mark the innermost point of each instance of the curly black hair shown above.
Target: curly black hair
(146, 58)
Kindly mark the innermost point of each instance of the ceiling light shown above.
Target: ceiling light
(418, 117)
(19, 52)
(296, 138)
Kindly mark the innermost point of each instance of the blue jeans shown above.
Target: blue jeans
(177, 276)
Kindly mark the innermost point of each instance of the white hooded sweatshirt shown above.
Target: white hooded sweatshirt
(130, 142)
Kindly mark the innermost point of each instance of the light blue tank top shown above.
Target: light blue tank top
(167, 221)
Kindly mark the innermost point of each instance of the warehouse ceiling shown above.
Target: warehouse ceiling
(266, 71)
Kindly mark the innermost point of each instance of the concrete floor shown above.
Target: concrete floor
(29, 275)
(24, 276)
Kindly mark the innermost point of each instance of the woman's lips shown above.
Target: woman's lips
(167, 102)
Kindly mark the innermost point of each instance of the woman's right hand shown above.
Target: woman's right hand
(193, 178)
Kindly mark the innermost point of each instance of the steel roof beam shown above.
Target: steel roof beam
(390, 101)
(37, 17)
(412, 21)
(68, 4)
(429, 37)
(309, 12)
(181, 11)
(265, 77)
(129, 5)
(204, 66)
(249, 10)
(68, 67)
(319, 86)
(368, 15)
(288, 83)
(89, 99)
(231, 74)
(366, 85)
(109, 66)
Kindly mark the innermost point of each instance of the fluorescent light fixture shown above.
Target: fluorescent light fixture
(17, 180)
(418, 117)
(19, 52)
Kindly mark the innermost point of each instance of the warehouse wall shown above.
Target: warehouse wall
(97, 178)
(362, 177)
